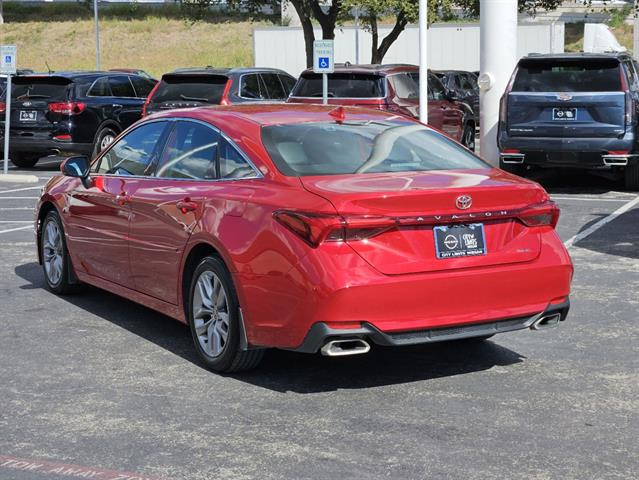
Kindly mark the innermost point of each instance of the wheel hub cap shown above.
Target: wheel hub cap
(211, 314)
(52, 252)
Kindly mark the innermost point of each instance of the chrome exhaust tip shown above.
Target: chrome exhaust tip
(615, 160)
(341, 348)
(513, 158)
(546, 321)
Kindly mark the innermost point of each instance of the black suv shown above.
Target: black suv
(463, 86)
(572, 110)
(71, 112)
(193, 87)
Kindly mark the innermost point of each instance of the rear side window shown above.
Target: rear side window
(49, 89)
(121, 87)
(232, 163)
(190, 152)
(404, 86)
(133, 153)
(341, 85)
(568, 75)
(251, 87)
(142, 86)
(100, 88)
(327, 148)
(274, 88)
(191, 88)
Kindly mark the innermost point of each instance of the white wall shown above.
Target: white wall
(449, 46)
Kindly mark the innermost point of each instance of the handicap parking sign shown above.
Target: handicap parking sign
(8, 59)
(323, 56)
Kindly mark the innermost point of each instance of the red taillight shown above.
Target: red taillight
(225, 94)
(618, 152)
(3, 107)
(148, 100)
(510, 150)
(317, 228)
(543, 214)
(64, 138)
(503, 102)
(67, 108)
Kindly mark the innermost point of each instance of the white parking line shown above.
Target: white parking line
(16, 229)
(4, 209)
(596, 226)
(13, 190)
(18, 198)
(16, 221)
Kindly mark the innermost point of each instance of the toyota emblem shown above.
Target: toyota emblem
(464, 202)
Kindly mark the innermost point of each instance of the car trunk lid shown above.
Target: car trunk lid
(419, 201)
(31, 98)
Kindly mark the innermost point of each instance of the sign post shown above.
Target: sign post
(323, 62)
(8, 66)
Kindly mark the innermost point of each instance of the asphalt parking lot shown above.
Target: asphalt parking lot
(94, 386)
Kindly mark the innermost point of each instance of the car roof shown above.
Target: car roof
(76, 74)
(223, 71)
(371, 69)
(265, 114)
(575, 55)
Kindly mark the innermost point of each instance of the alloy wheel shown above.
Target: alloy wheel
(52, 252)
(211, 313)
(106, 141)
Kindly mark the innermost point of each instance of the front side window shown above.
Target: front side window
(190, 152)
(232, 163)
(121, 87)
(326, 148)
(133, 153)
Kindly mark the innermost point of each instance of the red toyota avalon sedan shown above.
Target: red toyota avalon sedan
(308, 228)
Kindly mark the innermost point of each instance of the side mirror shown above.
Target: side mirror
(77, 167)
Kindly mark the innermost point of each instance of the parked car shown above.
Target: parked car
(394, 88)
(136, 71)
(464, 87)
(3, 81)
(572, 110)
(308, 228)
(194, 87)
(71, 112)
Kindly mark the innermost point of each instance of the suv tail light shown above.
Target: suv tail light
(3, 107)
(543, 214)
(629, 116)
(225, 94)
(67, 108)
(148, 100)
(503, 102)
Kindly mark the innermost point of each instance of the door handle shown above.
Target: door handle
(186, 205)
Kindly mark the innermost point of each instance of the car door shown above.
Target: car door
(443, 110)
(126, 106)
(167, 205)
(98, 217)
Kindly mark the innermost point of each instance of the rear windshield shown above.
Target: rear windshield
(341, 85)
(560, 75)
(329, 148)
(40, 88)
(190, 88)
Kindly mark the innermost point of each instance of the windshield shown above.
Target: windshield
(190, 88)
(568, 75)
(341, 85)
(329, 148)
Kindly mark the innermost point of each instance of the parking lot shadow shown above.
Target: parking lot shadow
(571, 181)
(620, 237)
(285, 371)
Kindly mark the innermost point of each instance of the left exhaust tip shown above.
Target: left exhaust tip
(341, 348)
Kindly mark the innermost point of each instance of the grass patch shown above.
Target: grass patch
(156, 39)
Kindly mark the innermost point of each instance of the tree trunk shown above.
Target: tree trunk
(326, 20)
(400, 25)
(301, 7)
(372, 21)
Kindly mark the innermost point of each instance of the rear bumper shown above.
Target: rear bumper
(321, 333)
(47, 146)
(568, 152)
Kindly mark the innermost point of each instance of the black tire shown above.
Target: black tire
(24, 160)
(632, 176)
(104, 133)
(56, 283)
(231, 358)
(514, 168)
(468, 137)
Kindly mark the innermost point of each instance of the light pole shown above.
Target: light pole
(97, 35)
(423, 61)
